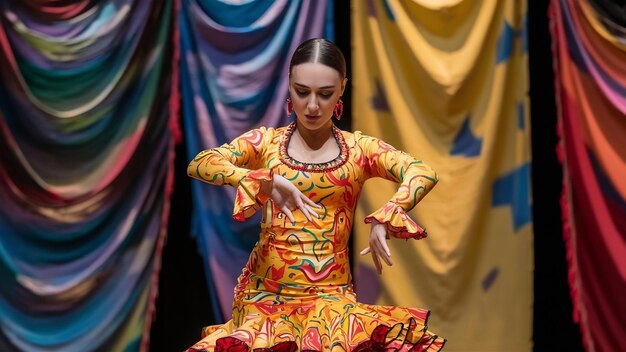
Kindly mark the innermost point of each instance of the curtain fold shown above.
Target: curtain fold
(447, 82)
(590, 77)
(86, 160)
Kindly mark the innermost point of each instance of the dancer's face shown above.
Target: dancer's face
(315, 89)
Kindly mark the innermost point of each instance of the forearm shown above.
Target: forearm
(212, 167)
(416, 181)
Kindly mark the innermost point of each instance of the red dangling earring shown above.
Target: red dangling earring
(339, 109)
(289, 107)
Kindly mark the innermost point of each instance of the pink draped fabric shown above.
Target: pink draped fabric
(591, 94)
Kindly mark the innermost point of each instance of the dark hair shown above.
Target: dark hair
(319, 50)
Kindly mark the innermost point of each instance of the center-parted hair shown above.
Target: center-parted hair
(322, 51)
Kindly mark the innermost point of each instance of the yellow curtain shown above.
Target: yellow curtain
(447, 82)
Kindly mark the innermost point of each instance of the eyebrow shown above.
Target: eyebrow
(303, 86)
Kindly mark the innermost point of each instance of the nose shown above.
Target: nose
(312, 105)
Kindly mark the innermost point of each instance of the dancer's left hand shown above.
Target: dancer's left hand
(378, 246)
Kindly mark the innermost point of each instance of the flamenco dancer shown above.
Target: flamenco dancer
(295, 292)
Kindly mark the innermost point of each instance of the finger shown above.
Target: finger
(310, 202)
(375, 244)
(289, 214)
(312, 212)
(303, 209)
(383, 242)
(365, 251)
(379, 267)
(390, 262)
(381, 252)
(385, 248)
(386, 259)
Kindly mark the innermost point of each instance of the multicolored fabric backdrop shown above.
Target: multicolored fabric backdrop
(88, 124)
(234, 65)
(86, 153)
(589, 47)
(447, 82)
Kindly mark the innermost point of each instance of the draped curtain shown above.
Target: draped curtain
(589, 47)
(89, 99)
(234, 64)
(86, 150)
(447, 82)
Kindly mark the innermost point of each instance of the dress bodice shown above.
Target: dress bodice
(313, 253)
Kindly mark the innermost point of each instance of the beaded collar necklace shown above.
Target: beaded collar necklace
(314, 167)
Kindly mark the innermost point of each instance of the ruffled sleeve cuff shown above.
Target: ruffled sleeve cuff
(249, 197)
(398, 222)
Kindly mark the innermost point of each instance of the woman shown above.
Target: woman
(295, 293)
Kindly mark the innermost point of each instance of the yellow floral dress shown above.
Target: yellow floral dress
(296, 293)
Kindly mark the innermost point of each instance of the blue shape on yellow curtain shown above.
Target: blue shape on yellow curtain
(389, 10)
(490, 278)
(465, 143)
(506, 42)
(513, 189)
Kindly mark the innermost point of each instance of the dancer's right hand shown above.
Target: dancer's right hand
(288, 198)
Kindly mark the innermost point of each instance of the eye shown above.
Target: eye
(301, 93)
(326, 95)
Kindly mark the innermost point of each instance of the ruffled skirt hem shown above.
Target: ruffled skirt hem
(345, 326)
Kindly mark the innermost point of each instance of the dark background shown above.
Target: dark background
(183, 306)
